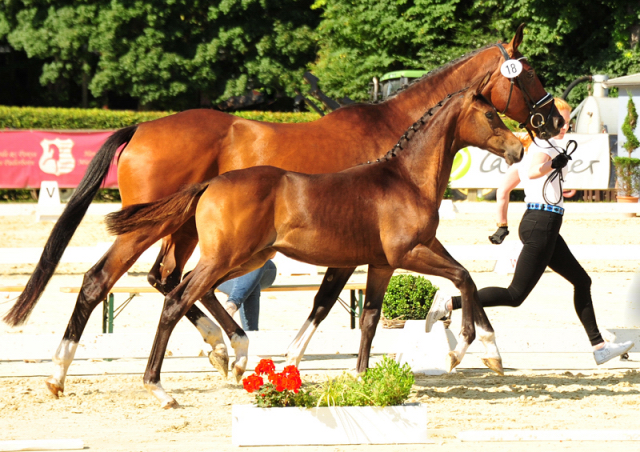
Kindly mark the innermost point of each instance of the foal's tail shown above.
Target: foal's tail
(170, 212)
(66, 226)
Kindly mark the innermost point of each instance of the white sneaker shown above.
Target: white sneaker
(230, 307)
(438, 310)
(611, 350)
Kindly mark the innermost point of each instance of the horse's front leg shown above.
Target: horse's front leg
(424, 260)
(377, 282)
(483, 327)
(332, 284)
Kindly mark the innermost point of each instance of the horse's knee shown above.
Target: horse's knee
(369, 318)
(462, 278)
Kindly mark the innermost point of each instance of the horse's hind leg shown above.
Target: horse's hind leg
(332, 284)
(176, 305)
(237, 336)
(377, 282)
(95, 287)
(166, 274)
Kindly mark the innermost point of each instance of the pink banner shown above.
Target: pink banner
(28, 157)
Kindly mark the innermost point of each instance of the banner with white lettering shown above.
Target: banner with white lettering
(28, 157)
(589, 168)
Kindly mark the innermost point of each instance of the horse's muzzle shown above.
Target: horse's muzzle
(514, 154)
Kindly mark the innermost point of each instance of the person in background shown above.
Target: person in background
(543, 246)
(244, 294)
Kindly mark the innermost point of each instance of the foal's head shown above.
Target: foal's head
(479, 125)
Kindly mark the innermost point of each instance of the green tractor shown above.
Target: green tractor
(391, 82)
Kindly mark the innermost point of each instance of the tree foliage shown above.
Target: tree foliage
(177, 54)
(563, 41)
(629, 126)
(168, 54)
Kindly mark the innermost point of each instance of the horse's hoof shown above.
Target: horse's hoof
(453, 360)
(495, 364)
(170, 404)
(220, 361)
(237, 372)
(54, 387)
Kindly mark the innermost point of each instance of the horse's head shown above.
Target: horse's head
(480, 125)
(523, 97)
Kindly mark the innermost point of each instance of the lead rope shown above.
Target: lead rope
(557, 172)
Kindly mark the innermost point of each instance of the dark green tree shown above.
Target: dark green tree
(629, 126)
(168, 54)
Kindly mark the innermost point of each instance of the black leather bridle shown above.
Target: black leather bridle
(536, 119)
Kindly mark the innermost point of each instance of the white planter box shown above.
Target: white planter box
(403, 424)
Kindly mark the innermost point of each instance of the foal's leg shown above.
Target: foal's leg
(332, 284)
(421, 259)
(237, 336)
(484, 330)
(377, 282)
(166, 274)
(96, 285)
(176, 305)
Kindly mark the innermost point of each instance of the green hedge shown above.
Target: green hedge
(97, 119)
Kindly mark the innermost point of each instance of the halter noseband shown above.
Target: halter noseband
(535, 119)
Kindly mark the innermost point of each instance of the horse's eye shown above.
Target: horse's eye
(531, 74)
(489, 115)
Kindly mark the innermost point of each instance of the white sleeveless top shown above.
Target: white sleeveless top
(533, 188)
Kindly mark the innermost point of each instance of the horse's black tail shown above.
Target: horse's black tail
(168, 213)
(66, 226)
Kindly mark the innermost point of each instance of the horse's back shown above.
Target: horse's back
(197, 145)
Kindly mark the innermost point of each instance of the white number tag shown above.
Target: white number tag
(511, 68)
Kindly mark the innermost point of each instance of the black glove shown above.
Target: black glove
(560, 160)
(499, 235)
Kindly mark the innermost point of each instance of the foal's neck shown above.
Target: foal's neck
(427, 157)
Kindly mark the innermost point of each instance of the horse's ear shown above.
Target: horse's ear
(517, 38)
(483, 83)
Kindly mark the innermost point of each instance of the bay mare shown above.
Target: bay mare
(164, 155)
(383, 214)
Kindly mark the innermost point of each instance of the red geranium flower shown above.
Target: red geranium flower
(265, 367)
(252, 383)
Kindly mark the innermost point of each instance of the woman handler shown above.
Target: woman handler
(543, 246)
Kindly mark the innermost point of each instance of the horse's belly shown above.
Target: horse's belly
(328, 248)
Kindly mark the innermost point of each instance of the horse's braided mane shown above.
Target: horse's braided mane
(419, 124)
(437, 70)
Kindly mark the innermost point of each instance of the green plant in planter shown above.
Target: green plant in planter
(385, 384)
(408, 297)
(628, 168)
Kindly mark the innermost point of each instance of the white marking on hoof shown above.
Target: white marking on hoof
(455, 356)
(488, 339)
(296, 349)
(240, 345)
(219, 358)
(62, 359)
(54, 386)
(156, 390)
(211, 333)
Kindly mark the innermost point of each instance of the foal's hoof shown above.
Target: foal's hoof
(219, 359)
(54, 386)
(453, 360)
(170, 404)
(495, 364)
(238, 371)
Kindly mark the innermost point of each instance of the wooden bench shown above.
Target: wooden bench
(109, 312)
